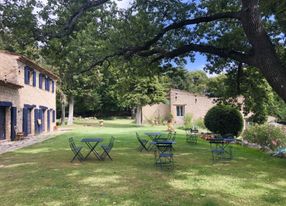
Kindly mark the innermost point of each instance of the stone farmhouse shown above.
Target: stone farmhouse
(179, 104)
(27, 97)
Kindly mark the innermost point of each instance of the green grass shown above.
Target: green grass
(43, 175)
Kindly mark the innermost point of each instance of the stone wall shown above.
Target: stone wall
(156, 111)
(195, 105)
(30, 95)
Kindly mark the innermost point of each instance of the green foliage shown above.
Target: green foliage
(200, 123)
(194, 81)
(197, 82)
(217, 87)
(188, 120)
(224, 119)
(169, 117)
(278, 109)
(265, 135)
(257, 97)
(134, 91)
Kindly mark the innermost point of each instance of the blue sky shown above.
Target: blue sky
(198, 64)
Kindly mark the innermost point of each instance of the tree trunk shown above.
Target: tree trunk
(133, 112)
(139, 115)
(71, 107)
(63, 115)
(265, 57)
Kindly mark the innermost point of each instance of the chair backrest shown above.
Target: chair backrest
(72, 144)
(140, 141)
(170, 134)
(174, 136)
(138, 137)
(111, 142)
(194, 131)
(165, 147)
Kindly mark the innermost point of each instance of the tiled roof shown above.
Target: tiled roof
(9, 66)
(8, 69)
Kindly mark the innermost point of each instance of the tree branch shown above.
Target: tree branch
(68, 28)
(221, 52)
(100, 62)
(178, 25)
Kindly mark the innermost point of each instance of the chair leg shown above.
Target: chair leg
(78, 156)
(108, 155)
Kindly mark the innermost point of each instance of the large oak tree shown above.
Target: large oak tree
(229, 32)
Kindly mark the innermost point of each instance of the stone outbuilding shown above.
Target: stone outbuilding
(27, 97)
(179, 104)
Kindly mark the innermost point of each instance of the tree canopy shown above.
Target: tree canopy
(87, 41)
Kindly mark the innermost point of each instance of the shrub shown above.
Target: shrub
(169, 117)
(200, 123)
(224, 119)
(188, 121)
(265, 135)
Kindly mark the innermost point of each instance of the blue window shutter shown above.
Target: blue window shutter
(13, 122)
(34, 78)
(40, 116)
(36, 117)
(53, 86)
(48, 120)
(48, 84)
(26, 75)
(40, 81)
(25, 121)
(54, 115)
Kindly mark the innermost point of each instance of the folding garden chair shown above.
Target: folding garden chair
(76, 150)
(221, 148)
(143, 143)
(107, 149)
(164, 154)
(192, 135)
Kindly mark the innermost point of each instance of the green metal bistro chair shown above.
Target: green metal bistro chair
(192, 135)
(164, 154)
(143, 143)
(221, 148)
(76, 150)
(107, 149)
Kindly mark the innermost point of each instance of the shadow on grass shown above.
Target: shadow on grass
(43, 173)
(108, 125)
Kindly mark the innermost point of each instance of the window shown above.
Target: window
(29, 76)
(180, 111)
(42, 81)
(53, 86)
(47, 84)
(34, 78)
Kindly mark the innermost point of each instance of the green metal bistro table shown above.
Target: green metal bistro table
(92, 143)
(153, 135)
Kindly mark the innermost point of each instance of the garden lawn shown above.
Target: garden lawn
(43, 175)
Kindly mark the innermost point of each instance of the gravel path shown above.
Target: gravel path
(8, 146)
